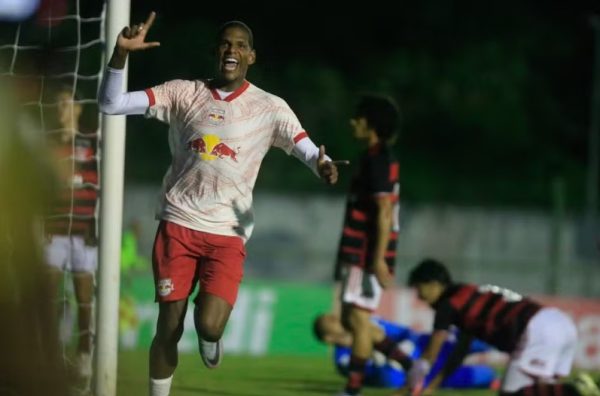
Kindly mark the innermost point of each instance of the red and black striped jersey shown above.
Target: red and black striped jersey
(493, 314)
(377, 174)
(73, 211)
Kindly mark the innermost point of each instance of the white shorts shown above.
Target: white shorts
(360, 289)
(70, 253)
(545, 351)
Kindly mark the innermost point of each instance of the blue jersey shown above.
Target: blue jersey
(383, 373)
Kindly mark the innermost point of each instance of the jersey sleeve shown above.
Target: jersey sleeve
(167, 100)
(381, 175)
(288, 131)
(444, 315)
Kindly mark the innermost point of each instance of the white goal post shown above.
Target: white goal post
(111, 215)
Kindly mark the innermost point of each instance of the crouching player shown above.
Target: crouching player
(383, 372)
(541, 340)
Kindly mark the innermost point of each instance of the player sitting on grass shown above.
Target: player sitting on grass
(541, 340)
(382, 372)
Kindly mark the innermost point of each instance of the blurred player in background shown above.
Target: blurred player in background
(541, 341)
(383, 372)
(70, 226)
(220, 130)
(367, 248)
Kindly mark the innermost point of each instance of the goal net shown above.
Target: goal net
(56, 58)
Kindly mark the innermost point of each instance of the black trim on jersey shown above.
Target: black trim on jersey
(464, 310)
(353, 242)
(489, 304)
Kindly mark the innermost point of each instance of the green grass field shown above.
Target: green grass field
(248, 376)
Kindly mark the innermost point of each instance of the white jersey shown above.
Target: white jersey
(217, 148)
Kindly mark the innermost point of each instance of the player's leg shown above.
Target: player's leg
(56, 254)
(220, 274)
(357, 321)
(174, 264)
(547, 345)
(387, 346)
(84, 294)
(211, 314)
(84, 264)
(360, 296)
(163, 351)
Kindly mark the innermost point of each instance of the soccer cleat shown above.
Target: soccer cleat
(585, 385)
(211, 353)
(345, 394)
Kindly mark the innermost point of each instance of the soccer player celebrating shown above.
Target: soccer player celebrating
(367, 248)
(541, 340)
(220, 130)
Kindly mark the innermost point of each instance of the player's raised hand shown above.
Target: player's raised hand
(327, 168)
(133, 38)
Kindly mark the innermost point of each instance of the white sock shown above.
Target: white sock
(160, 387)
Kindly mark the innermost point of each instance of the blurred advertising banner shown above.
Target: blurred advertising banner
(276, 318)
(268, 318)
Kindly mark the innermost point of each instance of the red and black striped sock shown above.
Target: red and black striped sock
(389, 348)
(356, 375)
(545, 390)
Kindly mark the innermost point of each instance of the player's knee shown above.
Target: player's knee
(346, 323)
(169, 333)
(209, 329)
(358, 319)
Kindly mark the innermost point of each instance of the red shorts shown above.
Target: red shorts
(183, 256)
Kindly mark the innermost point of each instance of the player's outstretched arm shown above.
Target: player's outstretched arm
(132, 38)
(306, 151)
(328, 169)
(458, 354)
(111, 98)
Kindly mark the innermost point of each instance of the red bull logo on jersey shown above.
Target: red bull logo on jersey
(210, 147)
(216, 116)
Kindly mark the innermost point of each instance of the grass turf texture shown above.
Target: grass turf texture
(248, 376)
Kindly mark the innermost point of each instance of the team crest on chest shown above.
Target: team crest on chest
(216, 116)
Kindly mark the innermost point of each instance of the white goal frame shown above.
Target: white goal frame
(111, 217)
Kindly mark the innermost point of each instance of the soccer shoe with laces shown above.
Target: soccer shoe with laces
(211, 353)
(345, 394)
(586, 386)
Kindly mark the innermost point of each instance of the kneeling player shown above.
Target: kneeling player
(541, 340)
(382, 372)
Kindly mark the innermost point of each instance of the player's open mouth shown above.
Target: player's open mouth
(230, 64)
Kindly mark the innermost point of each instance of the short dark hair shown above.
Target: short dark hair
(238, 24)
(318, 331)
(429, 270)
(382, 114)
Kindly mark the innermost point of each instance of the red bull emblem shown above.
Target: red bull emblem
(216, 116)
(210, 147)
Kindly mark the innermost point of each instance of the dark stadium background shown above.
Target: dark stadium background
(495, 96)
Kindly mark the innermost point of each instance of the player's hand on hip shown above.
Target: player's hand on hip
(133, 38)
(327, 168)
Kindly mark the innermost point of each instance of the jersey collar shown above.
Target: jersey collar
(233, 95)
